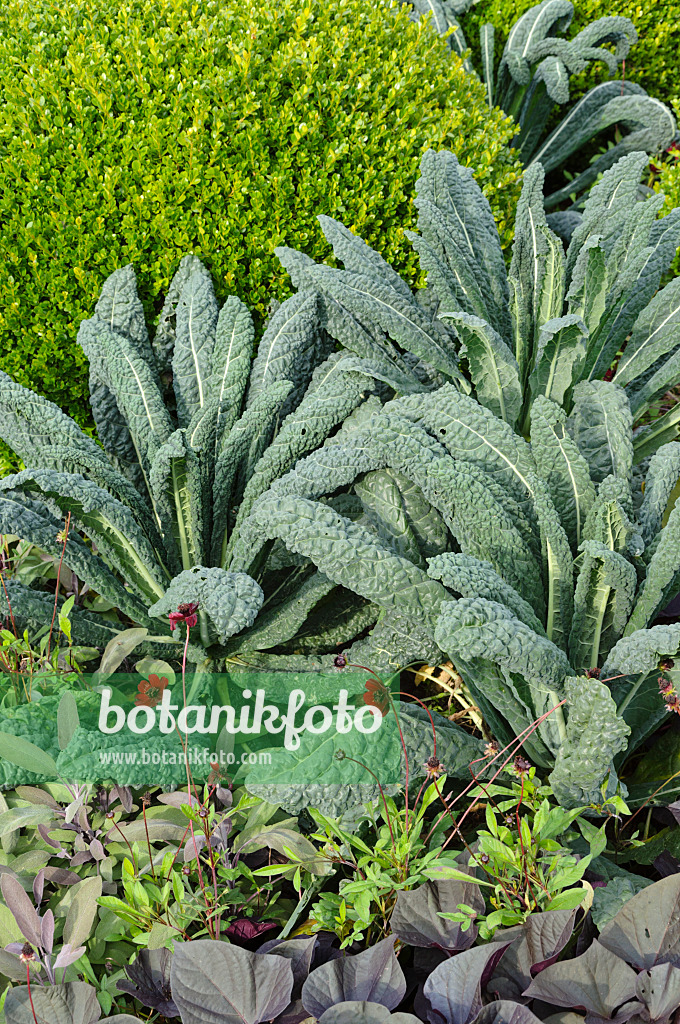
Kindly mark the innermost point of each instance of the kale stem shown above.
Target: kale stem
(631, 693)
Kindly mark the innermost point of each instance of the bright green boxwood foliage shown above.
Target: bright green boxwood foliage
(653, 61)
(137, 131)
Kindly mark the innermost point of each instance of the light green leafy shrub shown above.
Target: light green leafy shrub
(137, 132)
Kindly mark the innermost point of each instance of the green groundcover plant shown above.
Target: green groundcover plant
(137, 132)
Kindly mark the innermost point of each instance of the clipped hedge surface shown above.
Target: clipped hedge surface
(137, 131)
(652, 62)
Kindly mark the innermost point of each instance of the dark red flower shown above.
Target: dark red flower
(593, 673)
(673, 703)
(340, 661)
(150, 691)
(665, 686)
(666, 664)
(433, 767)
(185, 613)
(377, 695)
(521, 765)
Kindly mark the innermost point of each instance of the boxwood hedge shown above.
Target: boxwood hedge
(140, 130)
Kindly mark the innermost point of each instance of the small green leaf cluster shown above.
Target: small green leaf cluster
(522, 857)
(394, 857)
(137, 132)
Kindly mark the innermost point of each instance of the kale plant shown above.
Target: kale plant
(532, 79)
(554, 321)
(559, 563)
(192, 429)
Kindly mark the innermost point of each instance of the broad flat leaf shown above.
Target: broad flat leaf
(601, 424)
(362, 1012)
(415, 919)
(72, 1003)
(19, 751)
(299, 952)
(219, 983)
(659, 990)
(505, 1012)
(373, 976)
(595, 734)
(454, 988)
(534, 945)
(646, 931)
(560, 351)
(117, 650)
(562, 466)
(597, 982)
(67, 718)
(656, 332)
(230, 600)
(17, 818)
(82, 910)
(493, 367)
(609, 898)
(21, 908)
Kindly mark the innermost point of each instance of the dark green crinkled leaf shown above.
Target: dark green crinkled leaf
(595, 735)
(230, 600)
(601, 424)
